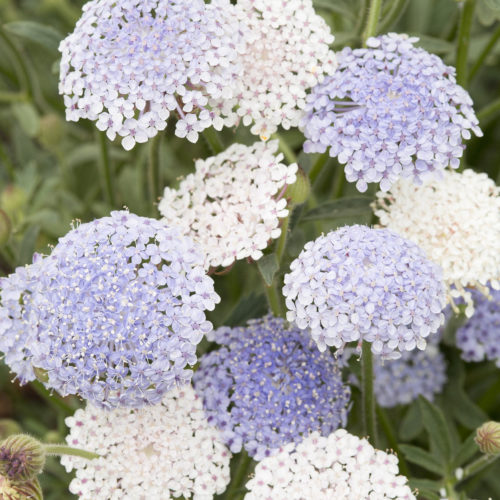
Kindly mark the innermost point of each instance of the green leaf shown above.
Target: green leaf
(268, 265)
(493, 5)
(41, 34)
(353, 206)
(28, 245)
(435, 45)
(423, 458)
(411, 425)
(28, 118)
(466, 451)
(435, 424)
(251, 306)
(427, 488)
(337, 7)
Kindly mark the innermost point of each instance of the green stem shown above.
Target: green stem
(240, 476)
(478, 465)
(106, 168)
(62, 449)
(317, 167)
(154, 169)
(285, 148)
(397, 8)
(484, 54)
(280, 246)
(213, 140)
(449, 486)
(464, 29)
(486, 114)
(368, 396)
(373, 18)
(273, 298)
(53, 400)
(338, 186)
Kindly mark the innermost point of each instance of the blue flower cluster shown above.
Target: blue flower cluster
(118, 311)
(479, 337)
(359, 283)
(269, 385)
(391, 110)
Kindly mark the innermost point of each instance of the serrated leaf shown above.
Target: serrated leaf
(249, 307)
(28, 118)
(268, 265)
(435, 424)
(355, 205)
(411, 425)
(42, 34)
(423, 458)
(28, 245)
(466, 451)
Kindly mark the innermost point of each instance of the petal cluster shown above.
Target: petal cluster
(288, 53)
(163, 451)
(457, 223)
(390, 110)
(232, 204)
(358, 283)
(118, 311)
(401, 381)
(129, 64)
(479, 337)
(268, 385)
(340, 466)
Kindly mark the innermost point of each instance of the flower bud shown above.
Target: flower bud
(51, 131)
(488, 438)
(20, 491)
(8, 427)
(298, 192)
(5, 228)
(21, 457)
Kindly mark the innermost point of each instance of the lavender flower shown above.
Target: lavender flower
(358, 283)
(391, 110)
(118, 311)
(401, 381)
(479, 338)
(277, 369)
(130, 63)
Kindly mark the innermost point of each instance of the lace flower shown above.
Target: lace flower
(130, 63)
(232, 204)
(391, 110)
(358, 283)
(340, 466)
(162, 451)
(268, 385)
(457, 223)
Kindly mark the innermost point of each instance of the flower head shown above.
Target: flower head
(130, 63)
(358, 283)
(231, 205)
(22, 457)
(488, 438)
(277, 370)
(390, 110)
(14, 490)
(401, 381)
(340, 466)
(457, 223)
(162, 451)
(288, 54)
(119, 310)
(479, 337)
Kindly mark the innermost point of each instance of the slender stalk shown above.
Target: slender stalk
(62, 449)
(280, 246)
(213, 140)
(338, 185)
(397, 8)
(285, 148)
(449, 487)
(107, 175)
(484, 53)
(367, 394)
(464, 28)
(273, 298)
(154, 169)
(318, 166)
(486, 114)
(478, 465)
(372, 22)
(240, 475)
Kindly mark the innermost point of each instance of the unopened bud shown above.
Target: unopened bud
(51, 131)
(488, 438)
(21, 457)
(5, 228)
(20, 491)
(298, 192)
(8, 427)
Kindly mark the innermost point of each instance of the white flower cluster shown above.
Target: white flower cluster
(340, 466)
(289, 54)
(456, 221)
(231, 205)
(162, 451)
(129, 64)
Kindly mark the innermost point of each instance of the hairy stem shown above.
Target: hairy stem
(62, 449)
(106, 168)
(464, 28)
(372, 22)
(367, 394)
